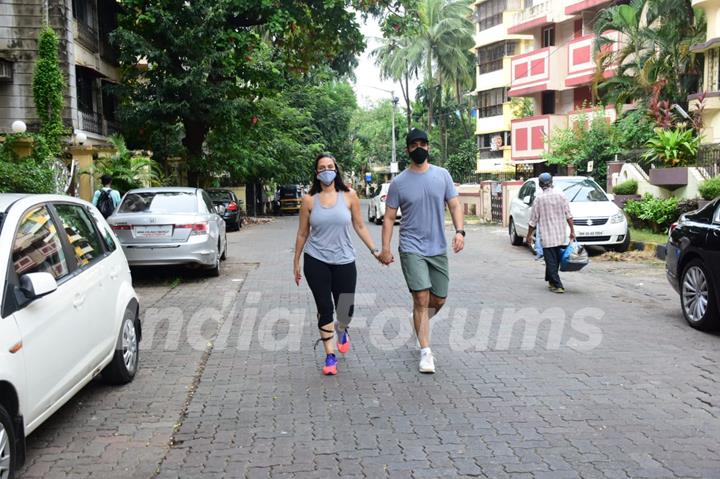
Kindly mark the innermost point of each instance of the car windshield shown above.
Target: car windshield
(290, 191)
(220, 196)
(159, 202)
(580, 191)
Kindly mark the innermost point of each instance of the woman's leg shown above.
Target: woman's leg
(319, 279)
(344, 280)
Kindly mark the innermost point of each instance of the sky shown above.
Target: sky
(368, 75)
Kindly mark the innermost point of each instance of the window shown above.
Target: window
(85, 11)
(490, 58)
(83, 238)
(208, 202)
(85, 90)
(165, 202)
(37, 247)
(548, 36)
(104, 230)
(712, 58)
(490, 102)
(581, 191)
(490, 13)
(548, 102)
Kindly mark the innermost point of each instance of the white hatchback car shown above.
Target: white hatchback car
(376, 208)
(69, 312)
(597, 220)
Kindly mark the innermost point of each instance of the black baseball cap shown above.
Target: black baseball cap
(415, 134)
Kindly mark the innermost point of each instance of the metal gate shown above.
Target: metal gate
(496, 202)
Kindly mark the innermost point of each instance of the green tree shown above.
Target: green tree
(372, 138)
(128, 169)
(209, 59)
(392, 56)
(654, 51)
(463, 163)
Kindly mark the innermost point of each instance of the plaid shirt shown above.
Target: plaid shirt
(551, 212)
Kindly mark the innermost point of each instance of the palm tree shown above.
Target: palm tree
(654, 50)
(391, 56)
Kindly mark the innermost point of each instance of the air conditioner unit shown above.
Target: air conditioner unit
(6, 71)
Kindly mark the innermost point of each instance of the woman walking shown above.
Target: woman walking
(323, 234)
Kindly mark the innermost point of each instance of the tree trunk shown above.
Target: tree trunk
(458, 97)
(430, 91)
(408, 111)
(195, 134)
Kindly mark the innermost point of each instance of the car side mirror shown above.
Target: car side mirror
(37, 285)
(527, 200)
(610, 196)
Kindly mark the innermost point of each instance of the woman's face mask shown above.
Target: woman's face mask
(326, 177)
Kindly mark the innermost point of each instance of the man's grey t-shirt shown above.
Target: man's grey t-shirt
(421, 197)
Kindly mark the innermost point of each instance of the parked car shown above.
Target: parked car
(692, 264)
(376, 208)
(171, 225)
(69, 312)
(229, 201)
(597, 220)
(289, 198)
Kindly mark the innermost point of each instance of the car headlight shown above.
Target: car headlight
(618, 217)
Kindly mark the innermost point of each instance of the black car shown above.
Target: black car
(693, 265)
(228, 199)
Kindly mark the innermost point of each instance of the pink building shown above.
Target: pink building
(555, 71)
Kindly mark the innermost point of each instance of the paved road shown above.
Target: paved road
(604, 381)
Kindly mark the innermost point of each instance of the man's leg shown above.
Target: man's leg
(421, 301)
(552, 266)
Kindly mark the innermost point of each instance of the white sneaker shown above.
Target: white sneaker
(427, 362)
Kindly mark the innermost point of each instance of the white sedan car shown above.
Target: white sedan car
(69, 312)
(597, 220)
(376, 208)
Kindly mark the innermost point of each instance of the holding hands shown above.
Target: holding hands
(385, 257)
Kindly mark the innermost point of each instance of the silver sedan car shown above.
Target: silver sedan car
(170, 225)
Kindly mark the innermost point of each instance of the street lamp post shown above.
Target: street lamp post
(395, 100)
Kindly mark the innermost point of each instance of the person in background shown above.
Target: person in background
(106, 199)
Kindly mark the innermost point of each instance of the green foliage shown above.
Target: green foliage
(28, 175)
(127, 169)
(654, 53)
(372, 138)
(710, 189)
(654, 213)
(522, 107)
(628, 187)
(462, 164)
(676, 147)
(634, 129)
(590, 139)
(48, 87)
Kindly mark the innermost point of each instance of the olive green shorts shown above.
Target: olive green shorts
(426, 272)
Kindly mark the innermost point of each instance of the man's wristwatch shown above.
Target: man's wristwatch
(374, 250)
(462, 232)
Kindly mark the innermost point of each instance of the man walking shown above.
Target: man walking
(106, 199)
(421, 192)
(551, 212)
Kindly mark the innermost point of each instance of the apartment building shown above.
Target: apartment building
(710, 86)
(494, 49)
(87, 60)
(555, 69)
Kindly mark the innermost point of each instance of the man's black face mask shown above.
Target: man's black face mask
(419, 155)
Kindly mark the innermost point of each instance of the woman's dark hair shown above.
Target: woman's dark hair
(339, 185)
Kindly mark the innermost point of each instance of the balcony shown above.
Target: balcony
(581, 61)
(529, 135)
(92, 122)
(531, 17)
(539, 70)
(577, 6)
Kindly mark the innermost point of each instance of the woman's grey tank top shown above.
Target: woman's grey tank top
(329, 239)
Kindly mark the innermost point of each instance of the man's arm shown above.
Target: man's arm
(458, 219)
(95, 197)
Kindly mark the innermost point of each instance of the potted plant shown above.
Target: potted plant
(625, 191)
(674, 149)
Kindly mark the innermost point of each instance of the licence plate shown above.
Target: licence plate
(590, 233)
(153, 232)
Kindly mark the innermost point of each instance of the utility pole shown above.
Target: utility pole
(393, 162)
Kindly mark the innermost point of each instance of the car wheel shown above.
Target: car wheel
(515, 240)
(697, 296)
(224, 253)
(214, 271)
(8, 456)
(625, 245)
(124, 364)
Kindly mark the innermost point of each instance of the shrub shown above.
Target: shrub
(710, 189)
(672, 148)
(654, 213)
(628, 187)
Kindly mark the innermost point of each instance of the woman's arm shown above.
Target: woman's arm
(302, 235)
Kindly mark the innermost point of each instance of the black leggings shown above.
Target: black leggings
(333, 287)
